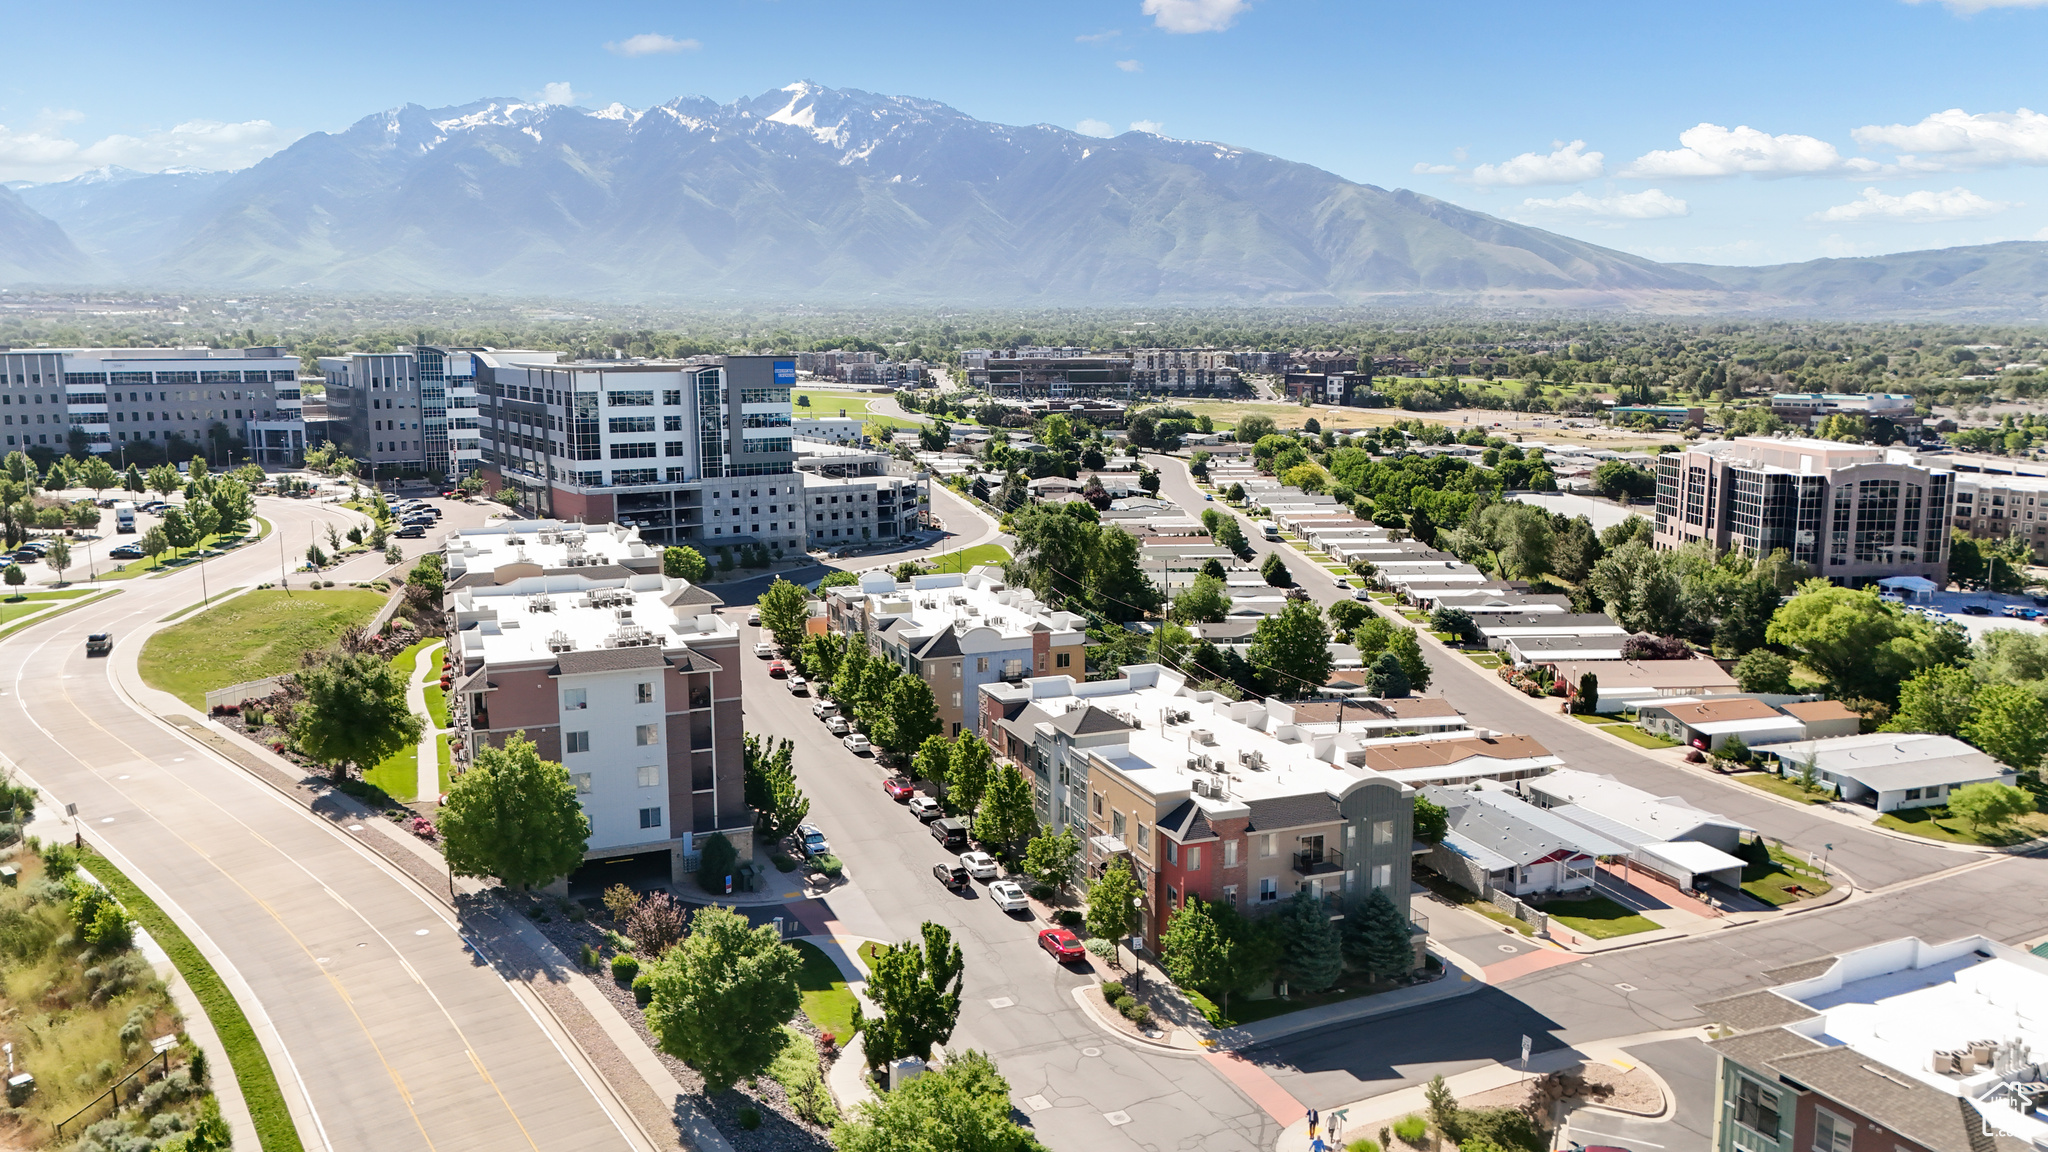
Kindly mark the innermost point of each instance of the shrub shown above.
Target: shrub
(1411, 1130)
(1112, 990)
(1139, 1014)
(620, 901)
(784, 862)
(1100, 948)
(1361, 1145)
(1041, 891)
(590, 958)
(750, 1118)
(1123, 1003)
(625, 968)
(1068, 918)
(1506, 1128)
(616, 942)
(1695, 756)
(830, 866)
(643, 989)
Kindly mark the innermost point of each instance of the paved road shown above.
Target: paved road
(386, 1031)
(1041, 1041)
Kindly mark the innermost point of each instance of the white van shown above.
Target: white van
(1269, 530)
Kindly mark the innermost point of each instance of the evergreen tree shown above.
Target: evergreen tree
(1313, 955)
(1376, 938)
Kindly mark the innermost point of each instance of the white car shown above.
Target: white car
(764, 650)
(837, 725)
(1009, 896)
(813, 840)
(754, 618)
(797, 685)
(979, 865)
(857, 743)
(823, 708)
(1361, 593)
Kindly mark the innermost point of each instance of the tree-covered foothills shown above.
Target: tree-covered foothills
(1653, 358)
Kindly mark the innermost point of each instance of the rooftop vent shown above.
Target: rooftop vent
(540, 604)
(1203, 736)
(559, 641)
(631, 636)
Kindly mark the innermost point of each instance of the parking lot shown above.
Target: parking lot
(1963, 607)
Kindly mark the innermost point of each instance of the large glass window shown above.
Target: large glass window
(631, 424)
(1831, 1133)
(630, 399)
(1756, 1107)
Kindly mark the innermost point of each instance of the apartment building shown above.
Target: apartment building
(630, 679)
(1205, 797)
(1992, 506)
(959, 632)
(693, 452)
(108, 399)
(1184, 370)
(1850, 512)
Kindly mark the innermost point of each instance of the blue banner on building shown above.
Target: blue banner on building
(785, 373)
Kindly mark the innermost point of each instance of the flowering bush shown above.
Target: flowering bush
(423, 828)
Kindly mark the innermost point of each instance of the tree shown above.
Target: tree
(771, 789)
(1455, 621)
(1206, 601)
(1252, 429)
(1408, 649)
(2010, 723)
(1586, 701)
(1195, 953)
(1275, 572)
(1113, 902)
(1863, 646)
(916, 984)
(15, 578)
(1115, 584)
(205, 521)
(720, 998)
(716, 858)
(1376, 937)
(907, 715)
(1989, 805)
(1386, 678)
(232, 504)
(132, 481)
(1291, 650)
(1313, 955)
(1575, 550)
(1619, 479)
(968, 775)
(784, 609)
(1006, 815)
(59, 557)
(1941, 701)
(1763, 671)
(964, 1106)
(934, 760)
(1639, 587)
(155, 542)
(655, 922)
(1051, 857)
(1431, 822)
(178, 529)
(512, 815)
(1444, 1111)
(355, 713)
(164, 480)
(1519, 537)
(97, 475)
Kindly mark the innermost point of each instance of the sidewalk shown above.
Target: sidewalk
(427, 662)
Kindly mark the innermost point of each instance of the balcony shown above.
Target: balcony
(1318, 861)
(1418, 924)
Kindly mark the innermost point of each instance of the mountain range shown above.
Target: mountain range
(812, 194)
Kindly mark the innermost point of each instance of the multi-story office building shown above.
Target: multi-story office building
(1849, 512)
(1206, 797)
(959, 632)
(631, 680)
(1808, 409)
(1041, 376)
(695, 452)
(202, 399)
(412, 411)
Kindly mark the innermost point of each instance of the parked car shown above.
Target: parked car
(778, 668)
(979, 865)
(1009, 896)
(2019, 612)
(125, 552)
(822, 708)
(764, 649)
(754, 618)
(837, 725)
(26, 557)
(899, 788)
(1361, 594)
(950, 833)
(411, 532)
(813, 839)
(798, 685)
(951, 875)
(858, 744)
(1976, 610)
(925, 808)
(99, 644)
(1061, 945)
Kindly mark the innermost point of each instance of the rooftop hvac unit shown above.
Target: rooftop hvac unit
(1244, 756)
(1194, 762)
(1201, 787)
(1204, 736)
(541, 604)
(559, 641)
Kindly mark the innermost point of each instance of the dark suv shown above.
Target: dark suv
(950, 833)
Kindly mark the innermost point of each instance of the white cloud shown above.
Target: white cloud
(1094, 128)
(650, 44)
(1098, 37)
(1653, 204)
(1959, 139)
(1194, 15)
(1422, 169)
(558, 92)
(1568, 164)
(1130, 65)
(43, 152)
(1972, 7)
(1151, 126)
(1926, 206)
(1711, 150)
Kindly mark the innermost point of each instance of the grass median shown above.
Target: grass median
(258, 1081)
(974, 557)
(257, 634)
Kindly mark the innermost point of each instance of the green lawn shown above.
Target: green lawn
(442, 754)
(397, 774)
(1637, 736)
(1596, 719)
(1598, 917)
(826, 999)
(1779, 786)
(1935, 823)
(27, 603)
(967, 558)
(437, 704)
(1483, 659)
(827, 404)
(1252, 1011)
(255, 635)
(868, 952)
(1772, 883)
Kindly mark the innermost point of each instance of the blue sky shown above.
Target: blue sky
(1733, 132)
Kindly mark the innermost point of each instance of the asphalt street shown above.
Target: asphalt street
(384, 1028)
(1018, 1004)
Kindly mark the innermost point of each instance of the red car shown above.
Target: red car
(899, 789)
(1061, 944)
(778, 669)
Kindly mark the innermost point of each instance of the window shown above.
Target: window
(1269, 891)
(650, 817)
(1382, 832)
(575, 699)
(1230, 895)
(1382, 875)
(981, 663)
(1172, 852)
(1062, 660)
(1266, 846)
(1098, 803)
(1756, 1108)
(576, 742)
(629, 400)
(1144, 837)
(650, 775)
(643, 692)
(1230, 853)
(582, 781)
(1195, 858)
(1116, 825)
(1831, 1133)
(647, 734)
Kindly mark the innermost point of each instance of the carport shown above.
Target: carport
(1687, 863)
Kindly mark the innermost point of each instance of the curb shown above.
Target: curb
(1367, 1008)
(1088, 996)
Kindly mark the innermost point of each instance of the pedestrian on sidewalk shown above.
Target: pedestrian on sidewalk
(1313, 1121)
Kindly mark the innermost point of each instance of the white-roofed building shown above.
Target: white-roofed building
(1891, 770)
(1662, 834)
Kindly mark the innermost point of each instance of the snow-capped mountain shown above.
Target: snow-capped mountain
(807, 193)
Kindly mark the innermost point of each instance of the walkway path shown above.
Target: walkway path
(427, 661)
